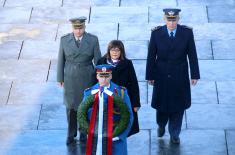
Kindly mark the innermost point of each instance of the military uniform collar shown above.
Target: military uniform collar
(76, 38)
(174, 32)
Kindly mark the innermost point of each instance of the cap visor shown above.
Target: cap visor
(104, 74)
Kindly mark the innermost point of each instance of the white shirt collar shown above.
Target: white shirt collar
(76, 38)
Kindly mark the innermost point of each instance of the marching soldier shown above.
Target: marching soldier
(110, 115)
(78, 53)
(171, 47)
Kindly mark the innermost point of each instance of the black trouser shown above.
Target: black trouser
(72, 123)
(175, 122)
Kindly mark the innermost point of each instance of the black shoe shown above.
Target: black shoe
(70, 141)
(83, 137)
(160, 132)
(175, 140)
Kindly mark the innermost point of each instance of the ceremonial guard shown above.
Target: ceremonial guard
(105, 114)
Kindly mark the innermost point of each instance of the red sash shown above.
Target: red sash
(92, 125)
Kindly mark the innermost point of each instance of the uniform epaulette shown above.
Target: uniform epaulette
(156, 28)
(188, 27)
(121, 87)
(87, 89)
(65, 35)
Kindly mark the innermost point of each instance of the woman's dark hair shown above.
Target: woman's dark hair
(116, 44)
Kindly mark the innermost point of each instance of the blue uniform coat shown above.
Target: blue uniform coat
(167, 64)
(120, 146)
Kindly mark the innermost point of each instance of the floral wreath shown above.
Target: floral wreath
(119, 126)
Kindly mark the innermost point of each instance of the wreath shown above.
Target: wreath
(119, 126)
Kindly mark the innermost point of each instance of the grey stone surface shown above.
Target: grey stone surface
(205, 2)
(225, 15)
(15, 15)
(58, 15)
(52, 71)
(223, 49)
(4, 91)
(230, 135)
(138, 142)
(217, 70)
(138, 31)
(226, 92)
(1, 2)
(24, 70)
(140, 66)
(119, 14)
(143, 92)
(52, 75)
(35, 93)
(75, 3)
(204, 92)
(27, 32)
(104, 46)
(53, 117)
(51, 142)
(33, 3)
(110, 30)
(147, 117)
(192, 142)
(53, 64)
(150, 92)
(105, 2)
(136, 49)
(19, 117)
(168, 3)
(192, 14)
(10, 49)
(88, 3)
(33, 49)
(221, 31)
(212, 116)
(203, 49)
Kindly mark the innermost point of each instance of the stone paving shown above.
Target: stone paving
(32, 115)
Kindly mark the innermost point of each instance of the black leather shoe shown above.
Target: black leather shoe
(175, 140)
(82, 137)
(160, 132)
(70, 141)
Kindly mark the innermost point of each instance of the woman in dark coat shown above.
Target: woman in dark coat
(123, 74)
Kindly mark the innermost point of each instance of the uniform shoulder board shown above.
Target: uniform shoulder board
(65, 35)
(156, 28)
(187, 27)
(121, 87)
(88, 89)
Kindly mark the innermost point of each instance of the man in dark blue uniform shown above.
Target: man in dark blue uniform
(171, 47)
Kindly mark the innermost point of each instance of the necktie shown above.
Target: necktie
(172, 35)
(78, 42)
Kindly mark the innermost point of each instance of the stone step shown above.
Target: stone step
(19, 15)
(24, 70)
(33, 3)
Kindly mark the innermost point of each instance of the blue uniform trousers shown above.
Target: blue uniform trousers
(174, 122)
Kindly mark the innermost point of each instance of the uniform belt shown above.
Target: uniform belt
(79, 63)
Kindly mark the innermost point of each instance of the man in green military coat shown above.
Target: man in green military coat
(78, 53)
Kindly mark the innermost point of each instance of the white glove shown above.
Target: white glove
(115, 139)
